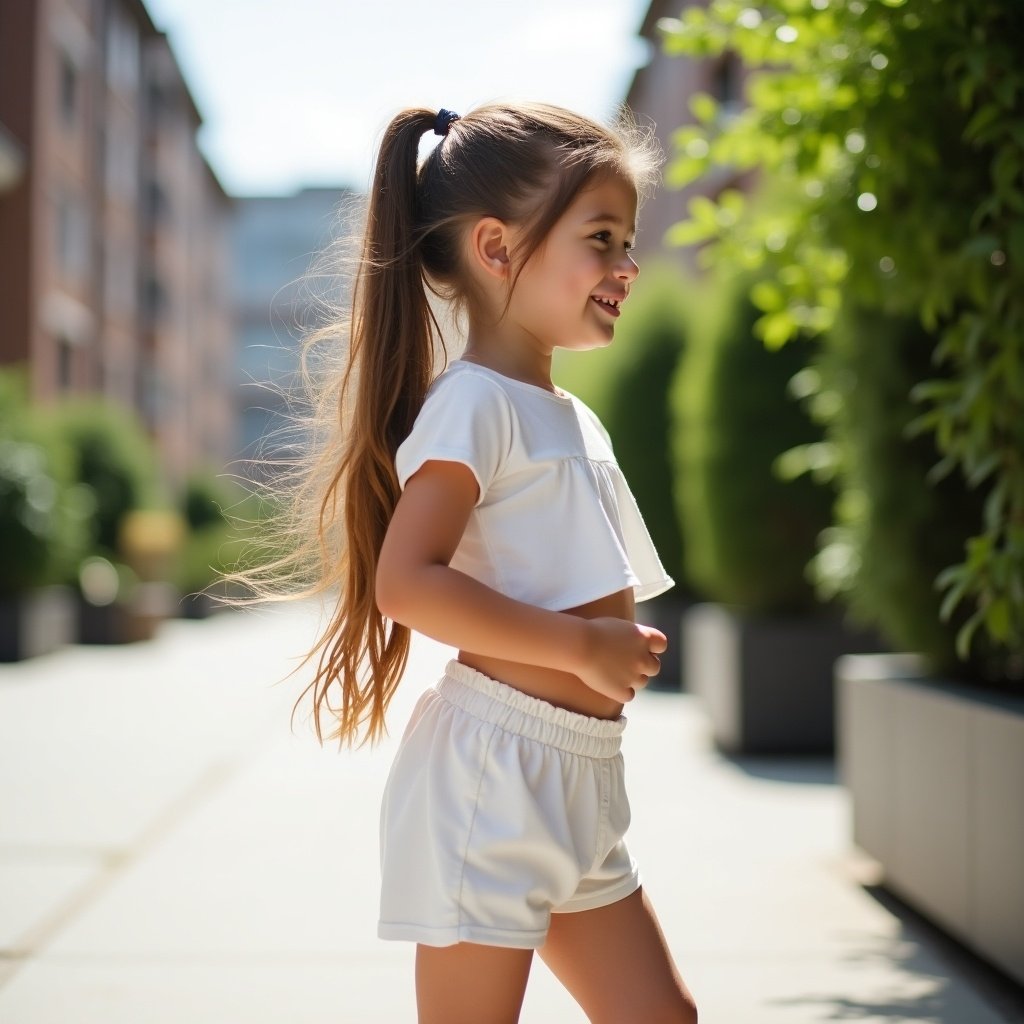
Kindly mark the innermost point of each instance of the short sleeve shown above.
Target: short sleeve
(596, 420)
(465, 418)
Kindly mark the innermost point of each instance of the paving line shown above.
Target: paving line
(35, 939)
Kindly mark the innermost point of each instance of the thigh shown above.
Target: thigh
(615, 963)
(469, 983)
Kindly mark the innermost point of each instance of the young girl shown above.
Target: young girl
(483, 507)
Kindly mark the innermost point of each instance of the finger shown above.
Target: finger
(657, 642)
(655, 665)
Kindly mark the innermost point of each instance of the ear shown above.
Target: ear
(490, 244)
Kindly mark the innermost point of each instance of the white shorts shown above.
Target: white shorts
(500, 809)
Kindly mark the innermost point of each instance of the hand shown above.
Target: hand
(620, 657)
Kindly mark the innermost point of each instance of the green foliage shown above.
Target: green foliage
(43, 515)
(205, 498)
(243, 538)
(115, 459)
(894, 529)
(748, 533)
(627, 385)
(14, 392)
(896, 127)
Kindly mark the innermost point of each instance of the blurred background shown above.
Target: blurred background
(817, 390)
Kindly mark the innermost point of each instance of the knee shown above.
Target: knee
(683, 1011)
(686, 1012)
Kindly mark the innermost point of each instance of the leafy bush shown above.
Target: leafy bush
(627, 385)
(898, 125)
(895, 530)
(43, 515)
(205, 498)
(215, 549)
(115, 459)
(749, 535)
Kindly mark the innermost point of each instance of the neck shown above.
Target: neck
(526, 365)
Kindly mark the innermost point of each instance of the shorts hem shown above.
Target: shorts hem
(460, 933)
(601, 899)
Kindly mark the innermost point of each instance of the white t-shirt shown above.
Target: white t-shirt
(555, 525)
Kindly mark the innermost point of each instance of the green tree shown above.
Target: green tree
(894, 133)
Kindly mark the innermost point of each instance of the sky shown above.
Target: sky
(297, 93)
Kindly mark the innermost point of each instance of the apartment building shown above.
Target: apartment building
(281, 292)
(113, 228)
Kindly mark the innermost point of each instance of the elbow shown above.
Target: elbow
(387, 596)
(391, 592)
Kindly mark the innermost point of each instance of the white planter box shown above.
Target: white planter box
(936, 777)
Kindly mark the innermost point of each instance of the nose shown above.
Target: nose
(626, 268)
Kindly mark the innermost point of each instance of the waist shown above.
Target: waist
(561, 689)
(493, 701)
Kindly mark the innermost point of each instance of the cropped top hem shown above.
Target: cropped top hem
(555, 524)
(641, 592)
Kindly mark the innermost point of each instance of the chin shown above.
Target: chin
(586, 344)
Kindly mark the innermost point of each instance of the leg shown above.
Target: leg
(616, 965)
(470, 984)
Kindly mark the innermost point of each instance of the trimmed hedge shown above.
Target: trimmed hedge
(748, 534)
(896, 529)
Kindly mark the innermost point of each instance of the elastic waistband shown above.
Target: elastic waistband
(511, 709)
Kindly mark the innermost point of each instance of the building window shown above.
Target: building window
(72, 229)
(122, 53)
(121, 156)
(154, 300)
(64, 357)
(727, 82)
(68, 90)
(157, 204)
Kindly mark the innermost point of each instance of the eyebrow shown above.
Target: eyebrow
(609, 217)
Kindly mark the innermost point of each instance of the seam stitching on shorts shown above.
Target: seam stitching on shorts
(603, 813)
(472, 822)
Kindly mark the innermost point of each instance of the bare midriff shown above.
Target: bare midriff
(562, 689)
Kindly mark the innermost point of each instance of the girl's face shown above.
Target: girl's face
(584, 259)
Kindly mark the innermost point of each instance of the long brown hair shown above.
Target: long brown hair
(523, 163)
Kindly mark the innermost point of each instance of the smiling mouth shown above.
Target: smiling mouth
(610, 307)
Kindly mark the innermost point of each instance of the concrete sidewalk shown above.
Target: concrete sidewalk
(171, 853)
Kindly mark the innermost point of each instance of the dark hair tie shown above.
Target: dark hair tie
(443, 121)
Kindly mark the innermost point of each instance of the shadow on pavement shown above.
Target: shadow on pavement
(809, 770)
(929, 958)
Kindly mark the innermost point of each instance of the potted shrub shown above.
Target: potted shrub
(932, 742)
(627, 385)
(898, 124)
(149, 541)
(761, 656)
(206, 554)
(42, 520)
(115, 461)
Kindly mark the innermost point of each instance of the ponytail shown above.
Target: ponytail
(521, 163)
(389, 370)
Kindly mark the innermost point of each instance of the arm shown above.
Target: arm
(416, 586)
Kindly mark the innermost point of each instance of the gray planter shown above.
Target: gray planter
(128, 621)
(36, 622)
(766, 681)
(935, 772)
(666, 613)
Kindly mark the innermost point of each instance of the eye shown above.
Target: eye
(605, 236)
